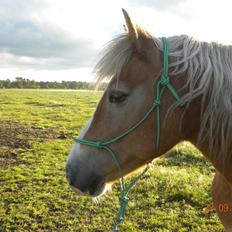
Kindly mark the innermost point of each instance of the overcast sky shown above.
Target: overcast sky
(60, 39)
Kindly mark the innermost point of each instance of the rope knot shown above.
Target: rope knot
(123, 200)
(156, 102)
(164, 80)
(99, 144)
(182, 103)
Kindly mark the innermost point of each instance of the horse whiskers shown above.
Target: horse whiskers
(97, 199)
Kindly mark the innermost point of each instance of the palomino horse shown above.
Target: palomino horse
(200, 73)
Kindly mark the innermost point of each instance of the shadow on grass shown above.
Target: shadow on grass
(184, 157)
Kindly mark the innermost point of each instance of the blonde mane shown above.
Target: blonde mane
(114, 56)
(209, 74)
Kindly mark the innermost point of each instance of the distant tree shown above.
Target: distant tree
(64, 84)
(73, 85)
(32, 84)
(7, 83)
(43, 85)
(18, 83)
(21, 82)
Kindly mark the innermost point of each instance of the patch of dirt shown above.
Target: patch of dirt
(8, 157)
(15, 135)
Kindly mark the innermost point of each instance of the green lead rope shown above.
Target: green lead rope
(163, 83)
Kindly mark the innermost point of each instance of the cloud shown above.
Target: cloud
(28, 42)
(28, 39)
(11, 9)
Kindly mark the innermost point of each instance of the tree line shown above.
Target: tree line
(22, 83)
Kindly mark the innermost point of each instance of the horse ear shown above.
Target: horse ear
(132, 31)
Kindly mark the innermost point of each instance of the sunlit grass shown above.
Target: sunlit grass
(35, 195)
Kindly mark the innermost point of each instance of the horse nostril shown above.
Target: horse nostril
(75, 179)
(83, 181)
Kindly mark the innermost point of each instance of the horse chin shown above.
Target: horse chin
(100, 191)
(95, 192)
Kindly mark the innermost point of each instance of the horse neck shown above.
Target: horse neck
(191, 127)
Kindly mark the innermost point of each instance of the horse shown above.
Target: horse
(200, 76)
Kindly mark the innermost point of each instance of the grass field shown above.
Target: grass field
(36, 134)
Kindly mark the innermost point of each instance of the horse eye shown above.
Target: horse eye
(117, 96)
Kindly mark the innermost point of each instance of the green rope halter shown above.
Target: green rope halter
(163, 83)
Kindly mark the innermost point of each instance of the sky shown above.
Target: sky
(55, 40)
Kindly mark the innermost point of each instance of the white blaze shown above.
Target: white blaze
(76, 149)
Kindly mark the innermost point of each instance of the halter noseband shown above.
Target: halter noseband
(163, 83)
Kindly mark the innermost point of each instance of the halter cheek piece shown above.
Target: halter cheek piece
(163, 83)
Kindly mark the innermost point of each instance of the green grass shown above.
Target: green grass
(33, 189)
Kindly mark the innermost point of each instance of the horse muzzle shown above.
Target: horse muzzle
(85, 182)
